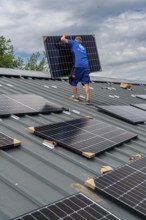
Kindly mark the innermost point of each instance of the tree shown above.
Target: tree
(36, 62)
(7, 58)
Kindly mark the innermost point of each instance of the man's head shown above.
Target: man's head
(78, 39)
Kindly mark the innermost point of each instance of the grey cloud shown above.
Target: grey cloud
(118, 25)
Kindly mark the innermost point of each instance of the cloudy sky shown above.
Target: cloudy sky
(119, 26)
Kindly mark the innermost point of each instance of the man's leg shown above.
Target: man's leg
(73, 81)
(85, 80)
(87, 92)
(75, 91)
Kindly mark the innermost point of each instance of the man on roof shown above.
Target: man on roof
(80, 71)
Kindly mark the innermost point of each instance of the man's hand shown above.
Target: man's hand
(71, 78)
(63, 39)
(64, 35)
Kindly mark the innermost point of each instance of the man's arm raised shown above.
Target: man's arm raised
(64, 39)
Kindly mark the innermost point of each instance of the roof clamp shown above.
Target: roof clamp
(88, 116)
(66, 112)
(112, 96)
(53, 86)
(10, 85)
(117, 96)
(15, 117)
(46, 86)
(50, 144)
(75, 111)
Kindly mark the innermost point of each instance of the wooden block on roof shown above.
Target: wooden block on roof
(124, 85)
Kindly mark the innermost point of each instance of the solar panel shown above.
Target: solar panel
(141, 106)
(84, 136)
(7, 142)
(77, 206)
(127, 113)
(126, 184)
(141, 96)
(20, 104)
(60, 58)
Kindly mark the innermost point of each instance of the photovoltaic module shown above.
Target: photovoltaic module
(141, 96)
(74, 207)
(127, 113)
(126, 184)
(20, 104)
(84, 136)
(60, 58)
(140, 106)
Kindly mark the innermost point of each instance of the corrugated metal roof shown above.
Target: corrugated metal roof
(24, 73)
(95, 77)
(34, 175)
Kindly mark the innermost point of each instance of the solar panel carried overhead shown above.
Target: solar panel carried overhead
(126, 184)
(20, 104)
(84, 136)
(141, 96)
(77, 206)
(127, 113)
(140, 106)
(60, 58)
(8, 142)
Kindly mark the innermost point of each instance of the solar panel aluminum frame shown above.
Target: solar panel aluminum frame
(63, 53)
(90, 183)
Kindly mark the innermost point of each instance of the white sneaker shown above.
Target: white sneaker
(76, 99)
